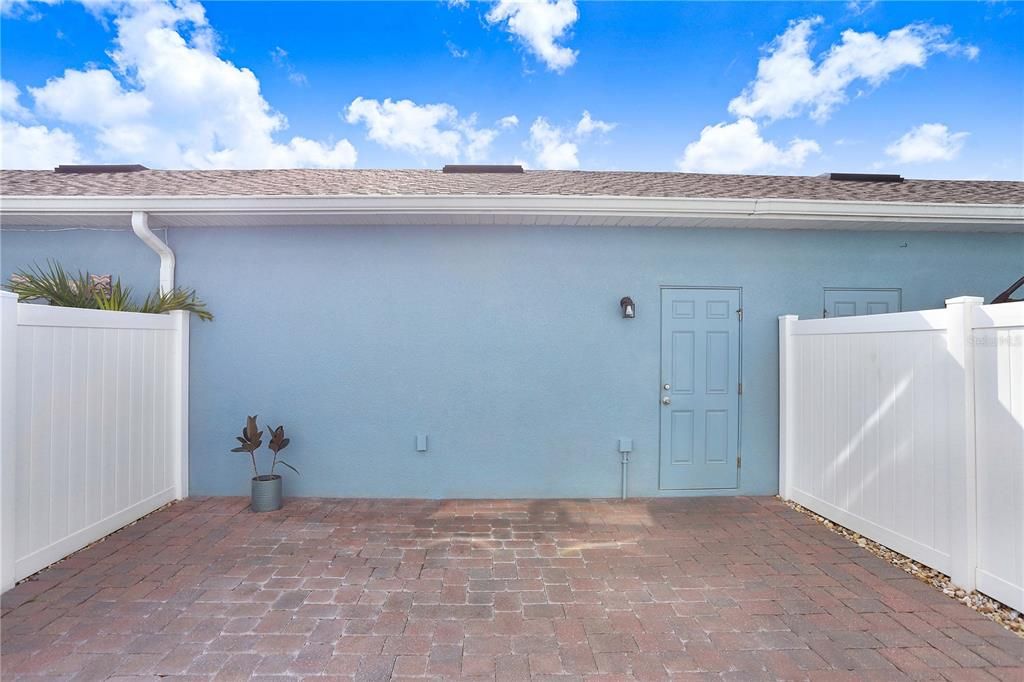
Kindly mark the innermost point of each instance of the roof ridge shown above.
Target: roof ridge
(428, 181)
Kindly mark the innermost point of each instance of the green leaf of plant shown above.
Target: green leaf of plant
(176, 299)
(281, 461)
(54, 285)
(59, 288)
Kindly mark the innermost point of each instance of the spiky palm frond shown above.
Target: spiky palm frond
(54, 285)
(118, 298)
(177, 298)
(82, 290)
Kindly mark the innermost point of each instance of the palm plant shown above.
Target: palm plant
(116, 297)
(83, 290)
(55, 285)
(175, 299)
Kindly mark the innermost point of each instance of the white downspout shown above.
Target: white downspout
(140, 225)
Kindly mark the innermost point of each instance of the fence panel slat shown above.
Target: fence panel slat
(870, 405)
(909, 429)
(999, 405)
(78, 405)
(96, 414)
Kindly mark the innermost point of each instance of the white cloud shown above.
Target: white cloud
(456, 51)
(510, 121)
(24, 9)
(539, 25)
(90, 97)
(25, 145)
(789, 80)
(552, 149)
(280, 57)
(558, 149)
(28, 147)
(10, 107)
(408, 126)
(739, 148)
(170, 101)
(422, 129)
(478, 140)
(927, 142)
(588, 125)
(859, 7)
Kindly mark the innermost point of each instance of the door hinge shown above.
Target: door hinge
(739, 388)
(739, 314)
(739, 460)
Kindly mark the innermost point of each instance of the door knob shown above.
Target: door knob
(666, 400)
(667, 387)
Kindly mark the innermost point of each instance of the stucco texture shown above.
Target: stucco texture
(504, 344)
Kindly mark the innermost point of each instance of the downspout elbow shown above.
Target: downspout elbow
(140, 226)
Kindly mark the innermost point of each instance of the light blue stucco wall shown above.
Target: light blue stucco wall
(504, 344)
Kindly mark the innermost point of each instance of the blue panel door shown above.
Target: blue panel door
(849, 302)
(700, 354)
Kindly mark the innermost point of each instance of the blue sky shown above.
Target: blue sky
(923, 89)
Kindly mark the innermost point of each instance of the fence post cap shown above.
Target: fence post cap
(789, 317)
(964, 300)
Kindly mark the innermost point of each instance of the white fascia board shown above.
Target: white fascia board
(626, 207)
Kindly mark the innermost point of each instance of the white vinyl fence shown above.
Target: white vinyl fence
(93, 425)
(999, 406)
(909, 429)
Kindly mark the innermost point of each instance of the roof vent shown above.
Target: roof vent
(456, 168)
(101, 168)
(863, 177)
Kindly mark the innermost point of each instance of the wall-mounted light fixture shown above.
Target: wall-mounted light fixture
(628, 308)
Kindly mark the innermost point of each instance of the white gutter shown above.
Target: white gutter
(140, 225)
(167, 207)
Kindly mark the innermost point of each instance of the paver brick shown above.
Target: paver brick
(713, 588)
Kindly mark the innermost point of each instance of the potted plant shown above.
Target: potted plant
(266, 488)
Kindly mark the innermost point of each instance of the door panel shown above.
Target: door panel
(849, 302)
(682, 361)
(682, 442)
(700, 363)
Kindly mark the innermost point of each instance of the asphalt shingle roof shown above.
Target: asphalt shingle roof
(309, 182)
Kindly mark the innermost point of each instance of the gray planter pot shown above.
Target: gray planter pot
(266, 493)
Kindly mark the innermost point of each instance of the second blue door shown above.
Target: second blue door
(849, 302)
(700, 360)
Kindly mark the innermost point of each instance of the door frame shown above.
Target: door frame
(739, 379)
(825, 290)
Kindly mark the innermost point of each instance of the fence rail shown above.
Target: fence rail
(909, 429)
(93, 423)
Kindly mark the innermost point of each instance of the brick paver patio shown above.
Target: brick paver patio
(740, 588)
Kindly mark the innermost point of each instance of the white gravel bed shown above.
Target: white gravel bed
(1009, 618)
